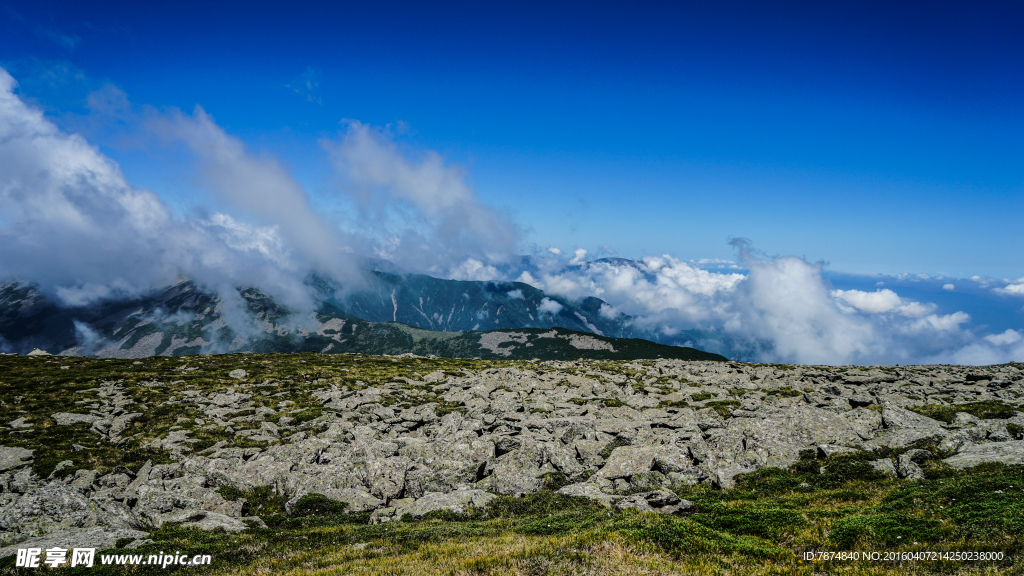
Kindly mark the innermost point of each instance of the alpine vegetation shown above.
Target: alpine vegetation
(257, 458)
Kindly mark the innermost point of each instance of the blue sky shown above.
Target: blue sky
(873, 137)
(879, 139)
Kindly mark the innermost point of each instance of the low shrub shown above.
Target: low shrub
(537, 504)
(318, 505)
(984, 410)
(887, 529)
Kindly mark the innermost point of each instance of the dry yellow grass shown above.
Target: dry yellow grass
(587, 554)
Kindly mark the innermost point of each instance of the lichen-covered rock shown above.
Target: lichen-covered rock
(204, 520)
(884, 465)
(14, 457)
(458, 502)
(1011, 452)
(353, 499)
(515, 473)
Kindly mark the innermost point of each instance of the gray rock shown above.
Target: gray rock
(894, 416)
(885, 466)
(14, 457)
(661, 498)
(517, 472)
(355, 500)
(590, 490)
(861, 400)
(908, 464)
(863, 421)
(963, 420)
(634, 502)
(1011, 452)
(826, 450)
(776, 439)
(67, 418)
(626, 461)
(514, 427)
(386, 478)
(458, 501)
(204, 520)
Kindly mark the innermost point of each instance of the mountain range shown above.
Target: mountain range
(389, 313)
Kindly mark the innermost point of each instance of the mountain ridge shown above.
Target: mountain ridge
(520, 322)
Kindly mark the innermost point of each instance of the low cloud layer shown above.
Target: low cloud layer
(782, 309)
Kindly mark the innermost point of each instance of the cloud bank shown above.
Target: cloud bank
(70, 220)
(782, 309)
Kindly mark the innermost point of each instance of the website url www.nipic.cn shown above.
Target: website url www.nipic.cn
(54, 557)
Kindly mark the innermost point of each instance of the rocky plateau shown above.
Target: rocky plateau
(427, 437)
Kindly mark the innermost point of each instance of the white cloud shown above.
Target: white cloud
(578, 258)
(1006, 338)
(68, 213)
(948, 287)
(881, 301)
(258, 186)
(1014, 288)
(549, 306)
(516, 294)
(715, 263)
(609, 312)
(785, 302)
(527, 278)
(872, 302)
(985, 352)
(782, 310)
(440, 217)
(472, 269)
(70, 220)
(555, 251)
(935, 322)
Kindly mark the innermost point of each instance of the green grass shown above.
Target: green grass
(982, 410)
(762, 525)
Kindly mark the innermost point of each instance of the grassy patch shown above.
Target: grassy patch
(723, 407)
(983, 410)
(784, 392)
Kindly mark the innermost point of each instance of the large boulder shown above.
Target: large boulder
(904, 427)
(458, 502)
(14, 457)
(774, 439)
(1011, 452)
(354, 500)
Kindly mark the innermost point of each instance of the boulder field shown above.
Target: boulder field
(622, 433)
